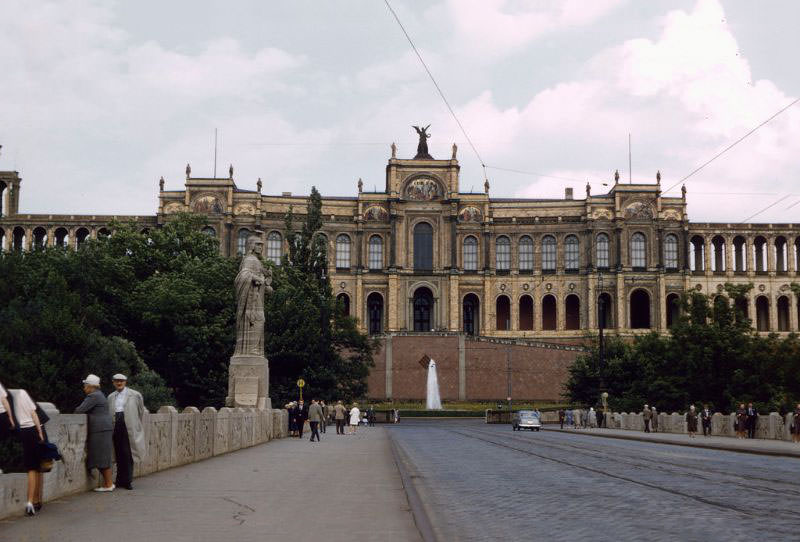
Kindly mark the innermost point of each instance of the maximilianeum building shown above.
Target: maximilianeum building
(474, 281)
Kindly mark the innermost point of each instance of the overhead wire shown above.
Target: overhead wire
(732, 145)
(773, 204)
(438, 88)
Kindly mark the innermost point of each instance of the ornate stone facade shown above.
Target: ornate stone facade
(423, 256)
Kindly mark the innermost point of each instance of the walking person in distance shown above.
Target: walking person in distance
(95, 406)
(355, 418)
(691, 421)
(339, 413)
(705, 419)
(315, 417)
(741, 421)
(647, 415)
(654, 420)
(795, 427)
(126, 406)
(752, 420)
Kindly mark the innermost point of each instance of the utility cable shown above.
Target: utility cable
(438, 88)
(773, 204)
(729, 147)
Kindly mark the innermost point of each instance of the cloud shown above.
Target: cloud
(492, 28)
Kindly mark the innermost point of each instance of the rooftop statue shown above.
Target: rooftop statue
(422, 146)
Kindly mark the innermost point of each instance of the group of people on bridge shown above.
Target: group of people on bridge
(115, 425)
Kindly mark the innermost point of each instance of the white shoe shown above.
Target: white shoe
(105, 489)
(30, 510)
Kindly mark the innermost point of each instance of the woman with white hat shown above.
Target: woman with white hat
(95, 407)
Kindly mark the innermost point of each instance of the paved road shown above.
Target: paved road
(344, 488)
(484, 482)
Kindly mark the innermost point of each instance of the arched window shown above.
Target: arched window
(673, 309)
(342, 251)
(781, 255)
(762, 313)
(602, 251)
(719, 253)
(503, 313)
(241, 241)
(62, 237)
(103, 233)
(739, 254)
(274, 247)
(344, 301)
(671, 252)
(605, 314)
(572, 312)
(376, 252)
(697, 253)
(470, 253)
(640, 309)
(375, 312)
(571, 254)
(18, 239)
(208, 230)
(423, 310)
(638, 251)
(423, 247)
(39, 238)
(548, 254)
(549, 314)
(471, 315)
(80, 237)
(526, 313)
(525, 253)
(503, 253)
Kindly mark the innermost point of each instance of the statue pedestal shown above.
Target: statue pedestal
(248, 382)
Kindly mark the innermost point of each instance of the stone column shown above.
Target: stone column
(773, 310)
(661, 301)
(791, 259)
(792, 311)
(687, 266)
(660, 247)
(591, 302)
(462, 368)
(51, 241)
(621, 302)
(751, 308)
(486, 309)
(359, 249)
(771, 256)
(453, 244)
(707, 252)
(454, 304)
(618, 245)
(388, 365)
(730, 262)
(393, 302)
(393, 243)
(513, 312)
(751, 259)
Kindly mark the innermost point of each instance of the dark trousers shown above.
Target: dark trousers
(751, 428)
(300, 425)
(122, 451)
(340, 427)
(647, 426)
(314, 430)
(322, 425)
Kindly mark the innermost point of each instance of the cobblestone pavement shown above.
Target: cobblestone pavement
(485, 482)
(344, 488)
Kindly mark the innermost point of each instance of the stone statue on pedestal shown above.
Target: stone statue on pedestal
(248, 374)
(422, 146)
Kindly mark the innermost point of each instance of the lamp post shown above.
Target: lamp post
(602, 350)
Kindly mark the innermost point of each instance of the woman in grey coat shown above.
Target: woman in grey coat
(99, 442)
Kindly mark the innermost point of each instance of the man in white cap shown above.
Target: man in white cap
(126, 407)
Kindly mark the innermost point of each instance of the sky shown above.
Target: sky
(98, 99)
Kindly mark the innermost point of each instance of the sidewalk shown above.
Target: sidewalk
(750, 446)
(343, 488)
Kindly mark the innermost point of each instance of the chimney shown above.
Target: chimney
(568, 193)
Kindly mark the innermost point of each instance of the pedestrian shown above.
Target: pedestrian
(577, 415)
(371, 416)
(592, 418)
(795, 427)
(315, 417)
(647, 415)
(601, 418)
(99, 444)
(654, 420)
(752, 420)
(705, 419)
(339, 413)
(7, 425)
(740, 423)
(584, 418)
(31, 434)
(126, 406)
(561, 417)
(355, 417)
(301, 415)
(691, 421)
(325, 415)
(570, 419)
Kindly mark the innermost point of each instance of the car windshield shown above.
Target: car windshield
(527, 414)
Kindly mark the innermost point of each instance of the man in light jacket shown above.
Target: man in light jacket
(315, 417)
(126, 407)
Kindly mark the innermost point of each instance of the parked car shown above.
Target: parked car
(526, 419)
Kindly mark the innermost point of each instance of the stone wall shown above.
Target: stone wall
(770, 426)
(174, 438)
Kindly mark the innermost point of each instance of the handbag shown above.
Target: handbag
(48, 455)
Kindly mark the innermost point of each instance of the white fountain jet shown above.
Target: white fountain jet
(433, 401)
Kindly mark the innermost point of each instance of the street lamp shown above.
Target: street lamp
(602, 350)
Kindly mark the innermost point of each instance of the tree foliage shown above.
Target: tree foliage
(711, 355)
